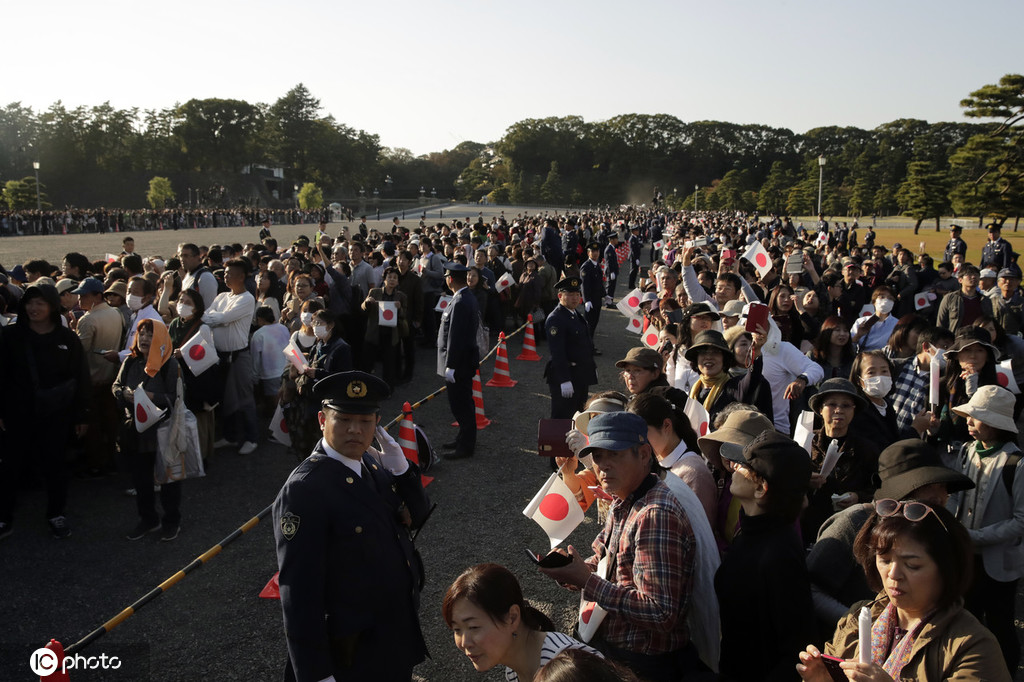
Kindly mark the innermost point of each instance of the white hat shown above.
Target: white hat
(991, 405)
(988, 273)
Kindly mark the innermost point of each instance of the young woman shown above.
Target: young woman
(873, 374)
(872, 332)
(902, 344)
(833, 349)
(970, 364)
(382, 341)
(917, 557)
(993, 512)
(783, 310)
(266, 292)
(493, 625)
(202, 392)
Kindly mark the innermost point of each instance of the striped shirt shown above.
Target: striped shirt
(554, 642)
(648, 598)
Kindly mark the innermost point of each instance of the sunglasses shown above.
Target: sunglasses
(912, 511)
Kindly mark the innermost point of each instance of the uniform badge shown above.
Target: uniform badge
(356, 389)
(554, 330)
(289, 525)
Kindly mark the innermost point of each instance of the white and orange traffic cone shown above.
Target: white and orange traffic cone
(407, 439)
(482, 421)
(58, 674)
(529, 343)
(501, 377)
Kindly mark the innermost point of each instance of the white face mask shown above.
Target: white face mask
(185, 310)
(878, 387)
(883, 306)
(320, 331)
(307, 318)
(134, 302)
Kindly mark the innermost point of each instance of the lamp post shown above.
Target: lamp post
(821, 173)
(39, 203)
(433, 193)
(296, 195)
(695, 188)
(423, 192)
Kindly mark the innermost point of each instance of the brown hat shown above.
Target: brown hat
(119, 288)
(740, 428)
(647, 358)
(907, 465)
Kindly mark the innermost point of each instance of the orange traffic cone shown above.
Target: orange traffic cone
(529, 343)
(272, 590)
(64, 229)
(501, 377)
(482, 421)
(407, 439)
(45, 662)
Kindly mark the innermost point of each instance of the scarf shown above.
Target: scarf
(715, 385)
(885, 651)
(160, 348)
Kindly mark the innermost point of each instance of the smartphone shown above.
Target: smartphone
(728, 254)
(552, 560)
(832, 666)
(795, 263)
(757, 316)
(700, 241)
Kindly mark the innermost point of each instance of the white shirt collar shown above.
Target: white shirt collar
(354, 465)
(677, 454)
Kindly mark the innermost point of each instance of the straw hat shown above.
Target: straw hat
(991, 405)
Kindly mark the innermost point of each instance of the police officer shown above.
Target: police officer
(571, 369)
(350, 576)
(611, 265)
(997, 253)
(635, 244)
(458, 357)
(955, 244)
(593, 287)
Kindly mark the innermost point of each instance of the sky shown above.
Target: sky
(428, 75)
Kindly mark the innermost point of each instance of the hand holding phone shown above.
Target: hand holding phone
(552, 560)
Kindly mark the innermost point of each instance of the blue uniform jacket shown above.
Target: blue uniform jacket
(349, 574)
(611, 259)
(593, 282)
(458, 332)
(572, 351)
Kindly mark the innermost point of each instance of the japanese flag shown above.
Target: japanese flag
(803, 434)
(387, 313)
(555, 509)
(629, 305)
(279, 428)
(868, 310)
(504, 282)
(635, 325)
(442, 304)
(651, 338)
(146, 413)
(592, 615)
(1004, 375)
(111, 258)
(921, 301)
(198, 352)
(699, 418)
(659, 244)
(822, 237)
(295, 356)
(759, 258)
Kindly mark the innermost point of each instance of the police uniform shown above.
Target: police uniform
(349, 574)
(635, 245)
(572, 355)
(593, 288)
(611, 267)
(997, 254)
(955, 246)
(265, 231)
(457, 350)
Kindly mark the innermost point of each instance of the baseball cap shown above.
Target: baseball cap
(615, 431)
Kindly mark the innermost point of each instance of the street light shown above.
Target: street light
(695, 188)
(433, 192)
(39, 203)
(423, 192)
(296, 195)
(821, 172)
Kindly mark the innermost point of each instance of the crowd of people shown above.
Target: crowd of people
(822, 424)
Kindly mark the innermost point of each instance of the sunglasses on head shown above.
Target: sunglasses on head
(912, 511)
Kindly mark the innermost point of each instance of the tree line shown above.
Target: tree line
(105, 155)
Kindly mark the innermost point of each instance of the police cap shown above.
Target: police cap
(352, 392)
(569, 284)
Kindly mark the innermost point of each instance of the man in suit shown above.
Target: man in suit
(593, 288)
(458, 357)
(350, 576)
(571, 369)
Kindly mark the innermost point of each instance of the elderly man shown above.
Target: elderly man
(350, 576)
(642, 569)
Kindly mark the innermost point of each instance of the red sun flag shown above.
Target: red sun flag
(758, 257)
(146, 413)
(388, 314)
(651, 338)
(140, 414)
(634, 325)
(283, 425)
(633, 301)
(761, 260)
(554, 507)
(587, 611)
(279, 427)
(197, 352)
(444, 304)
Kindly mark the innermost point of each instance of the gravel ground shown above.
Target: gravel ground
(212, 623)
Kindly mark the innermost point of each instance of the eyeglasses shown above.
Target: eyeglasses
(633, 371)
(912, 511)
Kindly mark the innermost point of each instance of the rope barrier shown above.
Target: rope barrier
(167, 584)
(444, 388)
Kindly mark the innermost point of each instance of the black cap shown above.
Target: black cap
(594, 246)
(352, 392)
(569, 284)
(777, 458)
(455, 266)
(709, 338)
(1011, 271)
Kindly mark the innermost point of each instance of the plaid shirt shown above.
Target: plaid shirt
(648, 598)
(910, 393)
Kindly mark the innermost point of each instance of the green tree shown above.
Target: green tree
(310, 196)
(218, 134)
(17, 196)
(552, 191)
(775, 190)
(925, 193)
(160, 192)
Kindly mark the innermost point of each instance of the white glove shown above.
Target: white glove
(588, 306)
(392, 456)
(566, 389)
(449, 375)
(611, 276)
(576, 440)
